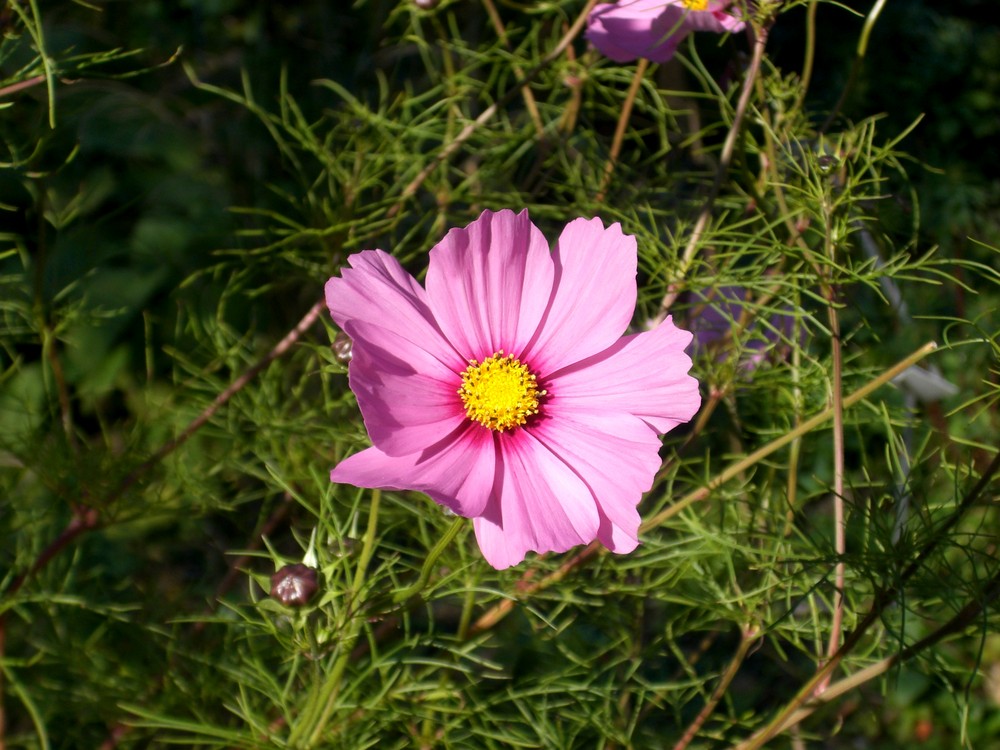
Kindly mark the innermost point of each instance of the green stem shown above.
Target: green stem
(792, 713)
(809, 57)
(368, 546)
(805, 427)
(866, 30)
(859, 57)
(324, 701)
(432, 556)
(503, 608)
(37, 34)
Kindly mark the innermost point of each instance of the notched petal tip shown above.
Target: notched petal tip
(593, 296)
(488, 283)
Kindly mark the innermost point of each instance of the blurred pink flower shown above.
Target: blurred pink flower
(714, 324)
(654, 28)
(505, 390)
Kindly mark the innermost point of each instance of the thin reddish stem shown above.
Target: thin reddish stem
(487, 114)
(839, 521)
(747, 638)
(500, 610)
(728, 147)
(882, 599)
(86, 518)
(623, 118)
(529, 98)
(21, 85)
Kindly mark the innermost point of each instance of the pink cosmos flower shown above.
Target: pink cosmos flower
(505, 390)
(653, 29)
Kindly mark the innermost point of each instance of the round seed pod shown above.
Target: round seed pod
(294, 585)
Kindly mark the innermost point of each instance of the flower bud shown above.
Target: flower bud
(826, 163)
(294, 585)
(343, 348)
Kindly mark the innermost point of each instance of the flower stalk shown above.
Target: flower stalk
(496, 613)
(308, 730)
(675, 287)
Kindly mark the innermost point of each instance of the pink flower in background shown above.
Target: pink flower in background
(653, 29)
(505, 390)
(714, 324)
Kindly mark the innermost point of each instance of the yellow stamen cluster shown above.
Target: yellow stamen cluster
(499, 392)
(696, 4)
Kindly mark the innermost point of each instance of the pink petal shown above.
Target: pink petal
(641, 28)
(488, 284)
(719, 18)
(616, 455)
(377, 289)
(540, 504)
(593, 296)
(653, 29)
(457, 472)
(408, 399)
(644, 374)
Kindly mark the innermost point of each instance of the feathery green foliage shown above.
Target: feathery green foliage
(170, 403)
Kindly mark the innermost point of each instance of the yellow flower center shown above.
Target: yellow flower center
(695, 4)
(500, 392)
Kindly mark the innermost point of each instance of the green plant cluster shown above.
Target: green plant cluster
(819, 563)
